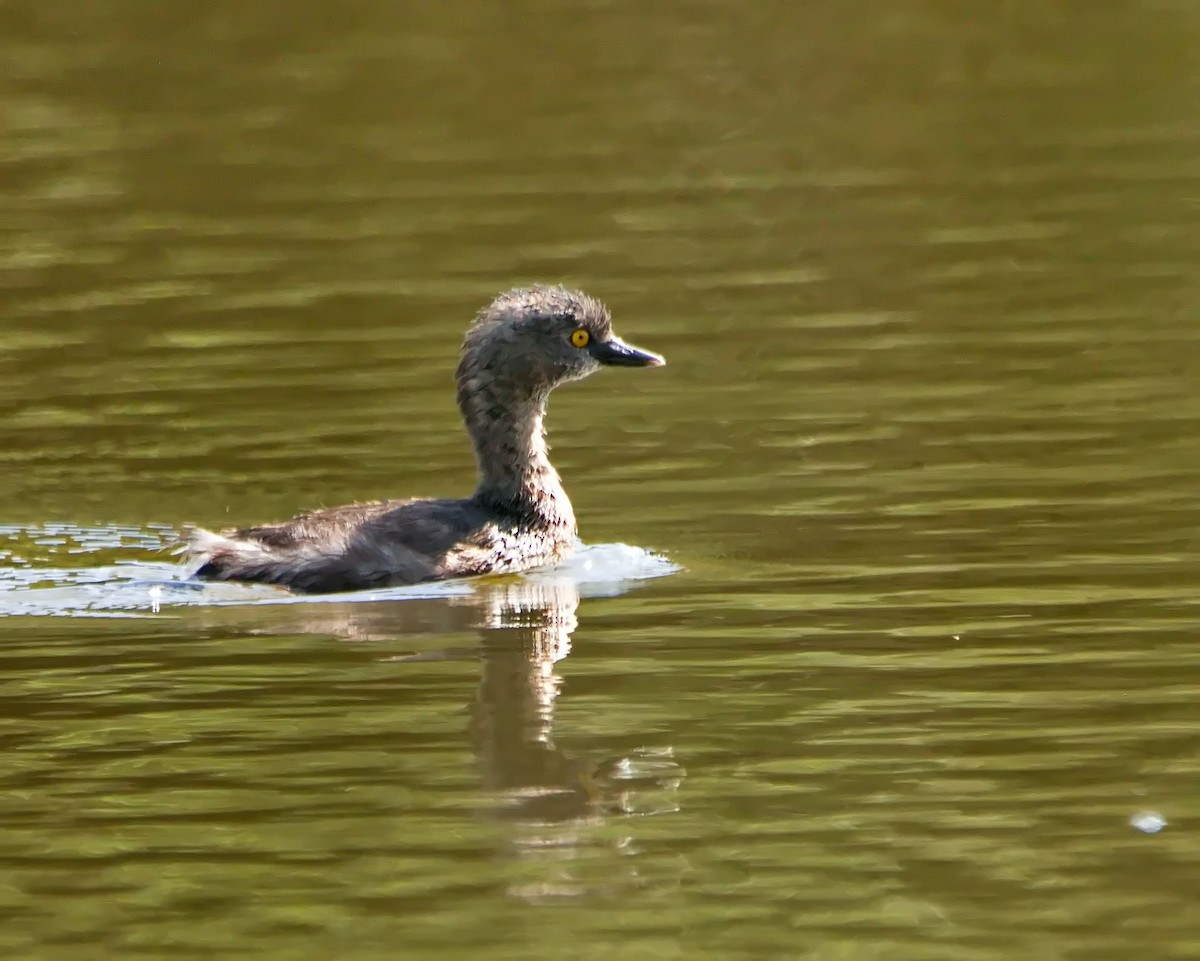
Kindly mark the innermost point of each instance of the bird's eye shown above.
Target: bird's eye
(580, 337)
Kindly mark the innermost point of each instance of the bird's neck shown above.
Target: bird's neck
(515, 473)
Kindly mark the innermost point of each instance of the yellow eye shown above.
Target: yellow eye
(580, 337)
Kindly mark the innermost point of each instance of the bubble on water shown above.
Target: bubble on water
(1148, 822)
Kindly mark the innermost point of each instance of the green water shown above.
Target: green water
(927, 451)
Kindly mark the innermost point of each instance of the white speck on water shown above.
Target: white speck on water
(1148, 822)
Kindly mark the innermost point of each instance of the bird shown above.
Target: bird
(520, 347)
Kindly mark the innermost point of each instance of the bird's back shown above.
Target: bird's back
(377, 544)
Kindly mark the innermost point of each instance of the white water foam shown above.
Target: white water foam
(148, 588)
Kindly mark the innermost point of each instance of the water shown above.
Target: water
(925, 455)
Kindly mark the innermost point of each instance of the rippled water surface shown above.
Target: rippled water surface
(885, 644)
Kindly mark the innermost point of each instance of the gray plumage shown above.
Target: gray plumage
(520, 347)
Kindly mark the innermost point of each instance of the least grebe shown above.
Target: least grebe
(520, 347)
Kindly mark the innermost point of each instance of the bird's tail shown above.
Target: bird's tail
(216, 556)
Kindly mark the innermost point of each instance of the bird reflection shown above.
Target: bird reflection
(548, 794)
(528, 630)
(525, 626)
